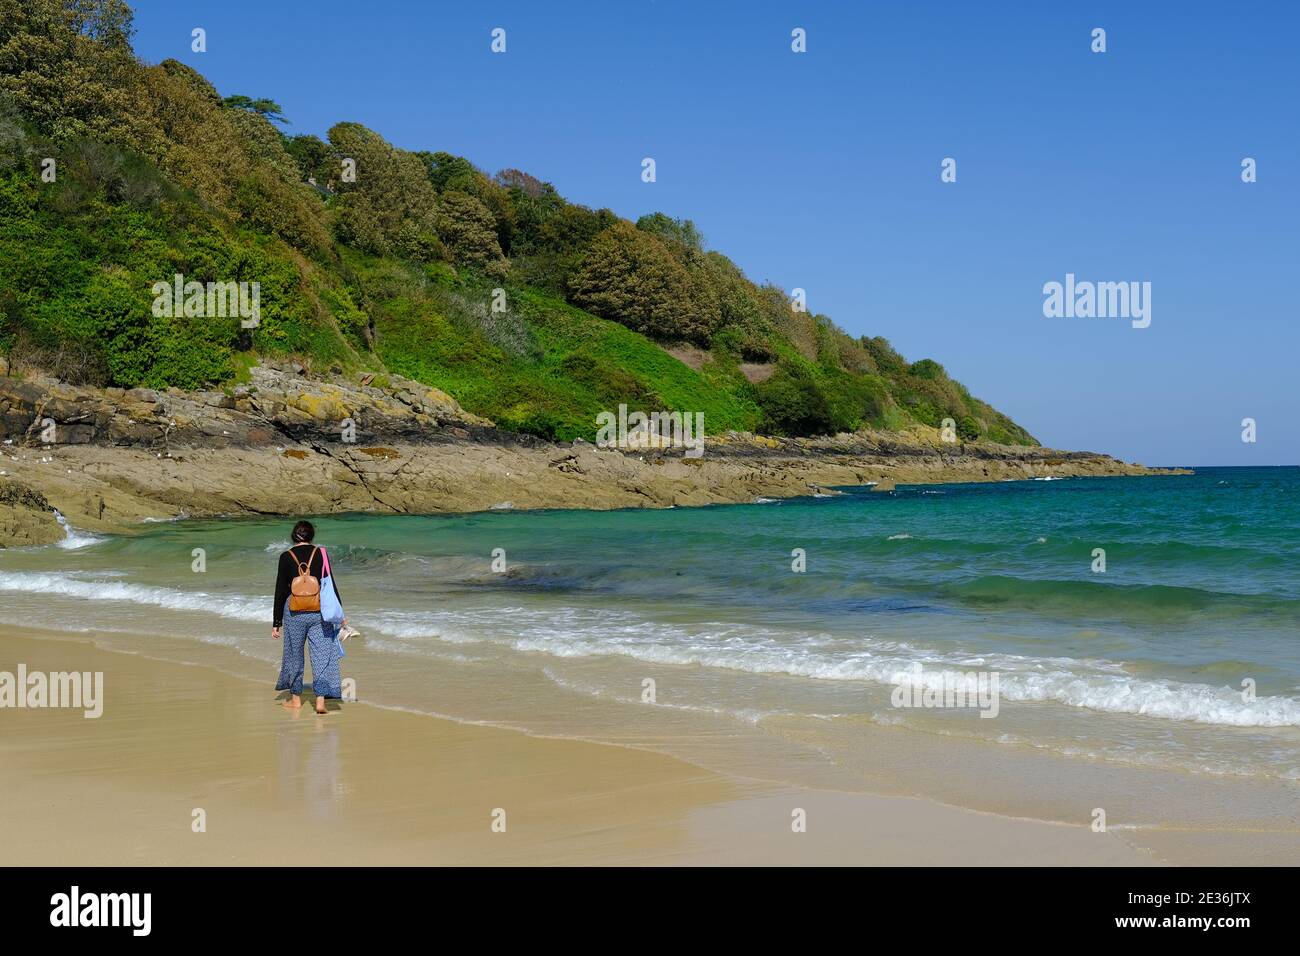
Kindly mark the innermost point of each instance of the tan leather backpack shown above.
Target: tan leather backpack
(304, 591)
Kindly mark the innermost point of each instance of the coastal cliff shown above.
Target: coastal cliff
(109, 459)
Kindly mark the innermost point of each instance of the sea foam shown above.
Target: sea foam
(236, 607)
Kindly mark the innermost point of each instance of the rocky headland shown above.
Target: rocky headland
(108, 460)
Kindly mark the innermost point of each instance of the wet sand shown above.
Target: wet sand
(366, 785)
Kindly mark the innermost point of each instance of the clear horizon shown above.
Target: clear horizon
(821, 170)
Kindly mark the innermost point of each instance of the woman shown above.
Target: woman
(305, 627)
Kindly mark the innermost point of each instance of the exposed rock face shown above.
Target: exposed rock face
(277, 405)
(288, 445)
(26, 517)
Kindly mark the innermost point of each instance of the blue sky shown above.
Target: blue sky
(821, 170)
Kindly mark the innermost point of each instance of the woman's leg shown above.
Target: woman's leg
(326, 678)
(292, 665)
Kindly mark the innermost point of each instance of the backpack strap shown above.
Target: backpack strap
(303, 568)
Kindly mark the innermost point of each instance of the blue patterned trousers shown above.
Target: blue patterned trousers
(307, 628)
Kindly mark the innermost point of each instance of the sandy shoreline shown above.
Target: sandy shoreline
(385, 787)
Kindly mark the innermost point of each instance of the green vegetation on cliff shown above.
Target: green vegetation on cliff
(397, 267)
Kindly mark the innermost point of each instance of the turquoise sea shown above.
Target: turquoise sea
(690, 631)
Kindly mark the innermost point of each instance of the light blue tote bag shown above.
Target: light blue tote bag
(331, 609)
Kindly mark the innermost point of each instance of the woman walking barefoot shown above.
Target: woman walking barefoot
(297, 611)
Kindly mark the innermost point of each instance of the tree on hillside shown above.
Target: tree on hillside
(109, 22)
(551, 237)
(741, 309)
(679, 235)
(468, 231)
(928, 369)
(526, 184)
(69, 66)
(887, 360)
(315, 158)
(450, 172)
(630, 276)
(264, 144)
(269, 109)
(391, 197)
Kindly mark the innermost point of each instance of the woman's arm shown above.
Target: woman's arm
(283, 576)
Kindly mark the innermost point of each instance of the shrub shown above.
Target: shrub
(793, 404)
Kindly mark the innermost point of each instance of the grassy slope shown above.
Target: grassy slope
(543, 366)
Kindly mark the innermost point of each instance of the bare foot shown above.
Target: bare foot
(294, 702)
(320, 705)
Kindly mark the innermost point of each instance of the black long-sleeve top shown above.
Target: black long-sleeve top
(289, 570)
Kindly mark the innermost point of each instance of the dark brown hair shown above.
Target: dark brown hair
(303, 532)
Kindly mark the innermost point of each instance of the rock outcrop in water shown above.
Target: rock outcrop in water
(109, 459)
